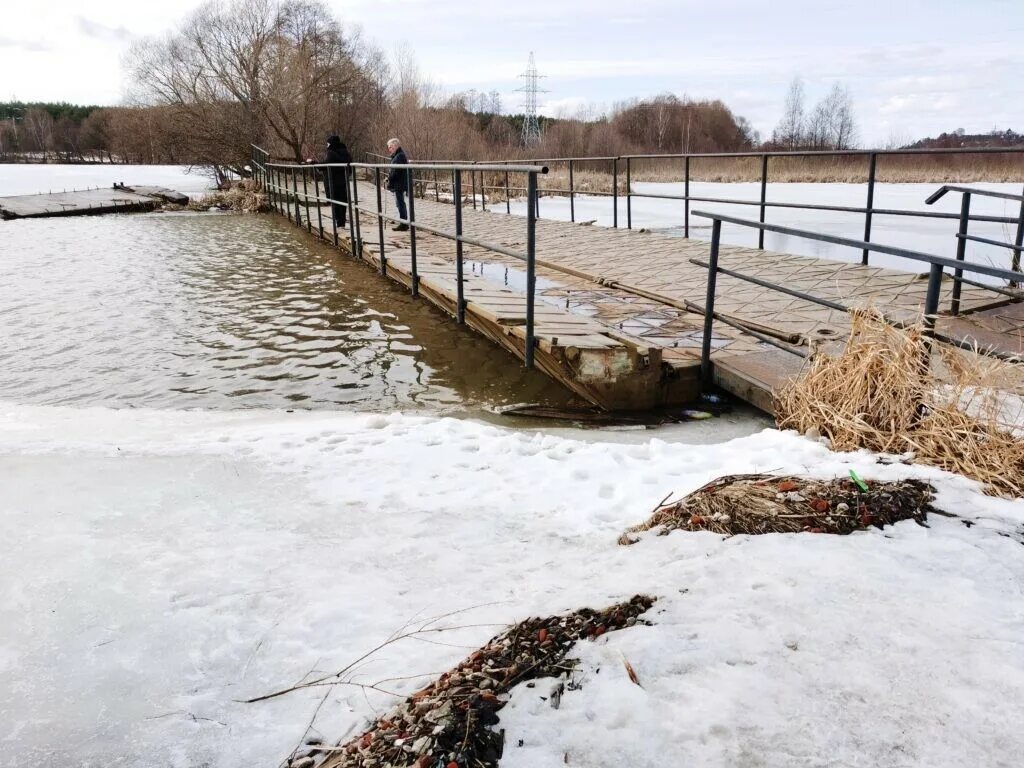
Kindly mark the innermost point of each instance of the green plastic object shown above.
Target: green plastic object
(860, 483)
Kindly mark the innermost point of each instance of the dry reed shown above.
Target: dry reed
(246, 196)
(878, 394)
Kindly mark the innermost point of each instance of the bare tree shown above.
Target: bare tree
(257, 71)
(832, 125)
(38, 126)
(790, 131)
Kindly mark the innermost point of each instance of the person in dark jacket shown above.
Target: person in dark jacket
(336, 178)
(398, 181)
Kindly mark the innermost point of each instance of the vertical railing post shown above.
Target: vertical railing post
(572, 195)
(483, 191)
(686, 194)
(870, 205)
(410, 181)
(280, 191)
(460, 304)
(272, 183)
(531, 267)
(709, 305)
(1018, 243)
(508, 195)
(319, 208)
(271, 190)
(764, 199)
(629, 195)
(380, 225)
(295, 194)
(961, 251)
(305, 198)
(472, 176)
(615, 192)
(356, 234)
(931, 311)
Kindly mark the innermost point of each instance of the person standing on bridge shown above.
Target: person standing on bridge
(398, 179)
(336, 179)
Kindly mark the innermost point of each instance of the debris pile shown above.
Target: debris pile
(450, 722)
(755, 504)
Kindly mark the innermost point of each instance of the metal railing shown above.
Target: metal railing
(624, 166)
(963, 235)
(937, 266)
(281, 182)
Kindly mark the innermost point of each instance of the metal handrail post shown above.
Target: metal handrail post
(709, 304)
(686, 194)
(305, 198)
(295, 194)
(410, 181)
(380, 225)
(764, 199)
(508, 196)
(460, 305)
(272, 188)
(931, 311)
(869, 205)
(483, 191)
(353, 214)
(1018, 241)
(572, 195)
(437, 188)
(615, 192)
(531, 267)
(629, 196)
(357, 250)
(961, 251)
(275, 180)
(472, 176)
(319, 207)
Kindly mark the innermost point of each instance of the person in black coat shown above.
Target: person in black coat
(398, 181)
(336, 178)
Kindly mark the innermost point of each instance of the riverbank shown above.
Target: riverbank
(198, 559)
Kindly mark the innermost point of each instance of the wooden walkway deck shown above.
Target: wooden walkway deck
(88, 202)
(619, 312)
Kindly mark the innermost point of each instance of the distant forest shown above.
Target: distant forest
(465, 127)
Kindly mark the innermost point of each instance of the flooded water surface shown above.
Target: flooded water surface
(184, 310)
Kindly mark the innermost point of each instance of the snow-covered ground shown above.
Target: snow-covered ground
(936, 236)
(161, 565)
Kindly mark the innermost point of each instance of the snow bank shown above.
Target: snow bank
(163, 565)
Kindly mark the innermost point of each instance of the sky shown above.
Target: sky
(914, 67)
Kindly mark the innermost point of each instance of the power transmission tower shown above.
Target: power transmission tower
(531, 124)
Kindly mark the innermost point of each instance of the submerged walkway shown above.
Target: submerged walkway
(619, 312)
(88, 202)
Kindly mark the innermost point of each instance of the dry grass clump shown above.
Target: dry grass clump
(246, 196)
(758, 504)
(877, 394)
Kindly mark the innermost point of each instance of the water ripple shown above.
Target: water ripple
(218, 311)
